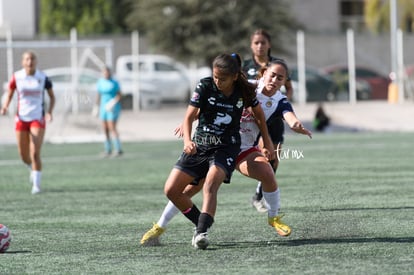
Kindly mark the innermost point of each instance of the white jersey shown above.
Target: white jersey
(30, 94)
(249, 131)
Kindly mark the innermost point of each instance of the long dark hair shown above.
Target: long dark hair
(231, 64)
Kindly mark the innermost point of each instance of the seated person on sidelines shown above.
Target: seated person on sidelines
(321, 120)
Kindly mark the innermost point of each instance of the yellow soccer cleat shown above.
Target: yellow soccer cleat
(281, 228)
(151, 237)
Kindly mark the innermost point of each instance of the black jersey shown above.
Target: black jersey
(251, 68)
(219, 119)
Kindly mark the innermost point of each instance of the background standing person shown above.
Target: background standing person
(31, 115)
(321, 120)
(260, 45)
(108, 100)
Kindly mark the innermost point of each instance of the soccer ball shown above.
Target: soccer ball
(5, 238)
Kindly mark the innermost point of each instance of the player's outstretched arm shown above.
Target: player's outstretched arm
(295, 124)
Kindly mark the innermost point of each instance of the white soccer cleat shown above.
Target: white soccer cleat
(35, 190)
(200, 240)
(260, 205)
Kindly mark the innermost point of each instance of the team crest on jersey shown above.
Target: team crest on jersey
(239, 103)
(269, 103)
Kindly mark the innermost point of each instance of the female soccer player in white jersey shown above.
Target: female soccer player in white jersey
(30, 85)
(251, 162)
(260, 45)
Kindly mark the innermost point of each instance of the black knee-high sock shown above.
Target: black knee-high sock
(193, 215)
(204, 222)
(260, 194)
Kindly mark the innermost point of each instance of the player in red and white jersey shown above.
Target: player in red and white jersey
(30, 85)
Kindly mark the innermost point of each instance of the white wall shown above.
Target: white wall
(19, 16)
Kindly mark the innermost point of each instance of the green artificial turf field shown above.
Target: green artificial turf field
(349, 198)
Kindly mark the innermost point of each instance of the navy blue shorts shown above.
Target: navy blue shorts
(276, 130)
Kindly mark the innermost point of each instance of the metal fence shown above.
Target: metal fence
(319, 50)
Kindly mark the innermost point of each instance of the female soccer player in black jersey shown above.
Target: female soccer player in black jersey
(217, 103)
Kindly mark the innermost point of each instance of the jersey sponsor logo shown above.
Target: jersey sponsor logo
(222, 119)
(229, 161)
(31, 93)
(247, 116)
(211, 100)
(228, 106)
(252, 72)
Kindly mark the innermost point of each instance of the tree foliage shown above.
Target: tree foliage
(87, 16)
(200, 29)
(377, 15)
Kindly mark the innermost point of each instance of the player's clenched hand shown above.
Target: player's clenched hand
(49, 117)
(3, 111)
(190, 148)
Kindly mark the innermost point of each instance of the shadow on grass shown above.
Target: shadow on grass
(17, 252)
(316, 241)
(367, 208)
(346, 240)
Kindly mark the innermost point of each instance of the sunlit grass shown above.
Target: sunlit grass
(349, 199)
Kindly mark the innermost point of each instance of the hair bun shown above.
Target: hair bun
(238, 58)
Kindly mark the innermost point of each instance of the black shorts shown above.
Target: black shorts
(197, 165)
(276, 130)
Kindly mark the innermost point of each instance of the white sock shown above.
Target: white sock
(36, 176)
(273, 200)
(169, 212)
